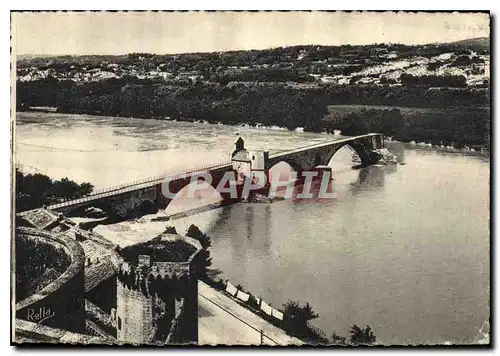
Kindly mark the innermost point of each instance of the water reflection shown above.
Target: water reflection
(258, 220)
(370, 176)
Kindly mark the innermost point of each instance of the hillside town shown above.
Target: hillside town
(345, 65)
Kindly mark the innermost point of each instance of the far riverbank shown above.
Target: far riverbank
(423, 127)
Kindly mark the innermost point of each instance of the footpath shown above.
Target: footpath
(222, 321)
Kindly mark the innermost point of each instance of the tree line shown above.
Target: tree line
(455, 127)
(35, 190)
(268, 105)
(276, 104)
(262, 75)
(451, 81)
(130, 95)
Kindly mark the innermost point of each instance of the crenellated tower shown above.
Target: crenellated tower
(157, 292)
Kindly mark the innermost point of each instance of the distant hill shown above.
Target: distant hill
(32, 56)
(480, 43)
(477, 44)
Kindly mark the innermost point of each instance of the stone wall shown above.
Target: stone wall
(104, 295)
(170, 269)
(61, 304)
(30, 332)
(175, 334)
(134, 316)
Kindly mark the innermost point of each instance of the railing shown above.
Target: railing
(320, 144)
(141, 183)
(156, 178)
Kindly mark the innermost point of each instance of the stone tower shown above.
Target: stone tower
(157, 292)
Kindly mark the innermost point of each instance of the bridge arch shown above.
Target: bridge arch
(184, 211)
(292, 163)
(362, 152)
(282, 170)
(180, 190)
(202, 192)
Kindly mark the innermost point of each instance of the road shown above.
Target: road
(221, 320)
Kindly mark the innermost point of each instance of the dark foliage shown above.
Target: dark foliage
(359, 336)
(202, 261)
(386, 121)
(36, 190)
(449, 127)
(262, 75)
(170, 230)
(449, 81)
(195, 233)
(295, 317)
(167, 251)
(37, 265)
(338, 340)
(216, 283)
(269, 105)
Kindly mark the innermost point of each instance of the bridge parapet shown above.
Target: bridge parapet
(308, 157)
(137, 185)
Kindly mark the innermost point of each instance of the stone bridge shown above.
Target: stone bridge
(308, 157)
(147, 196)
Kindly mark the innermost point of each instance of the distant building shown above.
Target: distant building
(192, 75)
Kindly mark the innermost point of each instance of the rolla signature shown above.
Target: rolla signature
(40, 315)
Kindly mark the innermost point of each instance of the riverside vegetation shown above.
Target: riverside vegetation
(35, 190)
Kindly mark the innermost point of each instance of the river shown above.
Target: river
(404, 249)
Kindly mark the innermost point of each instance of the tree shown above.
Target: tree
(338, 340)
(353, 124)
(202, 260)
(85, 189)
(70, 190)
(361, 336)
(296, 317)
(33, 191)
(195, 233)
(202, 263)
(36, 190)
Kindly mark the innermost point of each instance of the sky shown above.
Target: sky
(77, 33)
